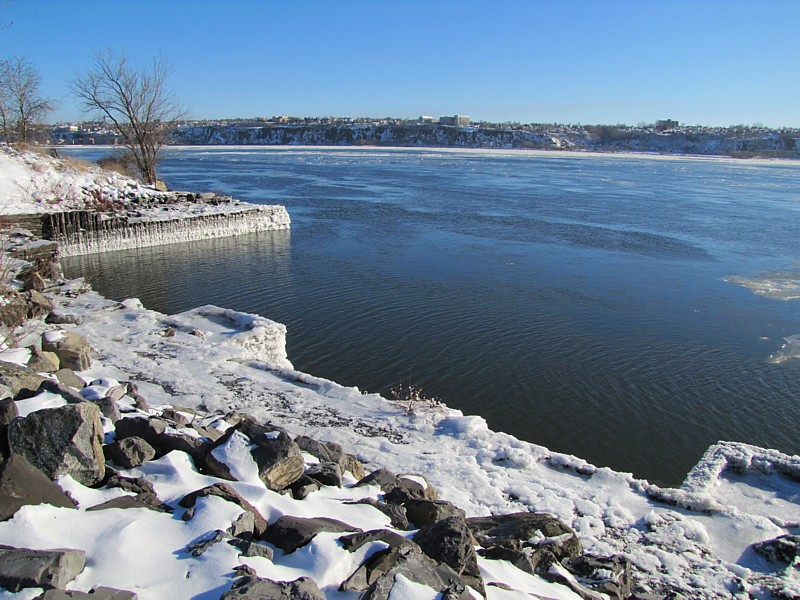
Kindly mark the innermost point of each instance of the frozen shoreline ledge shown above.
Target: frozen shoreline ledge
(88, 232)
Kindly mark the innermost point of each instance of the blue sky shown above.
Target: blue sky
(715, 62)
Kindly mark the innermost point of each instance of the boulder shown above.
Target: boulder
(383, 478)
(69, 378)
(22, 484)
(62, 441)
(43, 362)
(226, 492)
(129, 452)
(136, 485)
(73, 350)
(428, 512)
(32, 281)
(24, 568)
(39, 305)
(326, 473)
(108, 408)
(290, 533)
(276, 455)
(21, 382)
(98, 593)
(199, 547)
(331, 452)
(256, 588)
(376, 576)
(449, 541)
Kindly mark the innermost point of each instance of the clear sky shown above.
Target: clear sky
(714, 62)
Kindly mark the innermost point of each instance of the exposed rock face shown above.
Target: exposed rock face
(62, 441)
(24, 568)
(428, 512)
(276, 455)
(8, 412)
(72, 349)
(291, 533)
(22, 484)
(256, 588)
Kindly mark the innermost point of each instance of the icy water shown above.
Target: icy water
(581, 302)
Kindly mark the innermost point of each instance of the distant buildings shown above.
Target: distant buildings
(665, 124)
(456, 120)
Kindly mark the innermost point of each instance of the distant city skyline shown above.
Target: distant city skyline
(713, 62)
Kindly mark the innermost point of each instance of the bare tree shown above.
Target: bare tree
(135, 101)
(21, 102)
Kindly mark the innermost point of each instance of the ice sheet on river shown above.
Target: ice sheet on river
(694, 539)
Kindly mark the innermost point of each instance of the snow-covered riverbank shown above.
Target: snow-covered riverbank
(696, 541)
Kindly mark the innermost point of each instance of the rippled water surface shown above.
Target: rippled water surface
(593, 304)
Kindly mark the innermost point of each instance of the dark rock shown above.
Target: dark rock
(215, 537)
(24, 568)
(22, 383)
(98, 593)
(427, 512)
(58, 316)
(226, 492)
(14, 311)
(409, 489)
(397, 514)
(43, 362)
(376, 576)
(383, 478)
(592, 572)
(251, 548)
(277, 456)
(327, 473)
(73, 349)
(73, 446)
(69, 378)
(22, 484)
(149, 429)
(156, 433)
(783, 549)
(244, 571)
(449, 541)
(331, 452)
(303, 487)
(8, 412)
(354, 541)
(256, 588)
(143, 500)
(515, 530)
(129, 452)
(290, 533)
